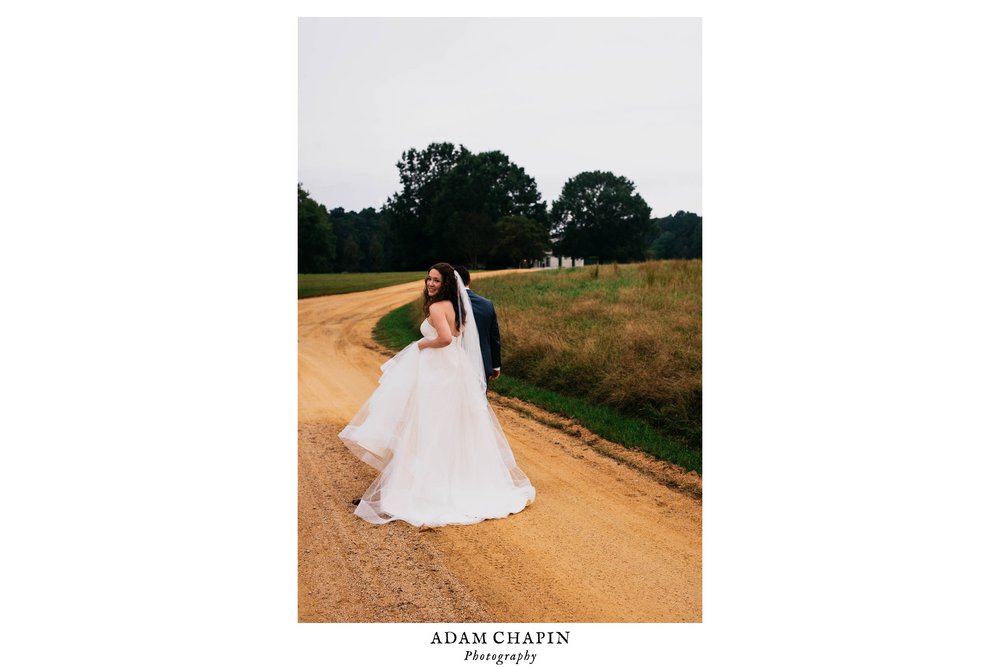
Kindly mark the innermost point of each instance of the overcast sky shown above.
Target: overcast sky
(557, 96)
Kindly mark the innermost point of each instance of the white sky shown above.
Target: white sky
(557, 96)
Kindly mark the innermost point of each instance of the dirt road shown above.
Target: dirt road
(603, 542)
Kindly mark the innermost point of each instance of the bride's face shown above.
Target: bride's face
(433, 282)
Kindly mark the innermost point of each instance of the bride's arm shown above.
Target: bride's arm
(439, 321)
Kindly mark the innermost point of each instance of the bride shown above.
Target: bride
(429, 429)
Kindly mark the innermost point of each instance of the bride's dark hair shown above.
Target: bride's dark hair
(448, 292)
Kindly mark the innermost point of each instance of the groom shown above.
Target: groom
(489, 330)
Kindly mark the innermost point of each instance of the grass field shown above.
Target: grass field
(616, 347)
(322, 284)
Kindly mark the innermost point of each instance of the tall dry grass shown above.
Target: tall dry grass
(625, 336)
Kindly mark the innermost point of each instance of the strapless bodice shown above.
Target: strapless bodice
(427, 330)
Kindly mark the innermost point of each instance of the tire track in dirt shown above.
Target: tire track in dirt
(603, 542)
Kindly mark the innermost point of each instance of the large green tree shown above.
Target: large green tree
(451, 201)
(481, 189)
(409, 210)
(599, 214)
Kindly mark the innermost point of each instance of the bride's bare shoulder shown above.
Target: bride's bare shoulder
(443, 312)
(442, 307)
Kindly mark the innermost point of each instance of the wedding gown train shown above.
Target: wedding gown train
(431, 432)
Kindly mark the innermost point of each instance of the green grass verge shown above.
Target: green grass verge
(397, 329)
(322, 284)
(604, 421)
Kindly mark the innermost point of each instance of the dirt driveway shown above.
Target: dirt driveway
(603, 542)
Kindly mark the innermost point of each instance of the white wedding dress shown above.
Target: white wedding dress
(431, 432)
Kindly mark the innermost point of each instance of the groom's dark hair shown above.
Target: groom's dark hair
(464, 273)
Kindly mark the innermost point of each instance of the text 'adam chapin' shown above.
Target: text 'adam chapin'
(502, 637)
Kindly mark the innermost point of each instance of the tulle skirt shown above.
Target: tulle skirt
(442, 455)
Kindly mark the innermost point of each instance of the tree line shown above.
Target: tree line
(484, 211)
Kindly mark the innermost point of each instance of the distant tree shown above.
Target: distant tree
(350, 254)
(375, 253)
(316, 242)
(599, 214)
(518, 239)
(679, 236)
(336, 240)
(661, 246)
(361, 240)
(372, 234)
(344, 232)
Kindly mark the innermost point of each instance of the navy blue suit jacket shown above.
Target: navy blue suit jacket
(489, 331)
